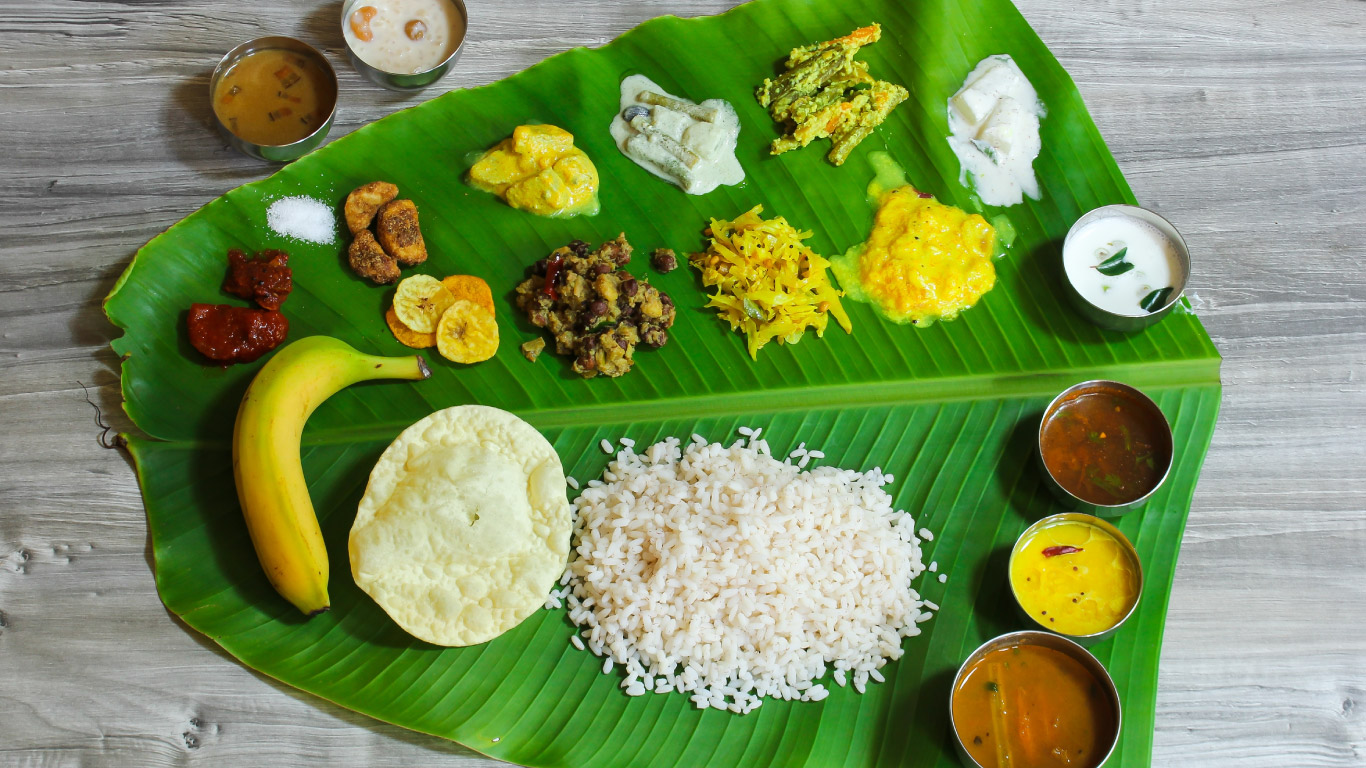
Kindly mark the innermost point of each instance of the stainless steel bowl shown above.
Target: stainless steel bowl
(1078, 517)
(1047, 640)
(401, 81)
(1076, 502)
(1113, 320)
(275, 153)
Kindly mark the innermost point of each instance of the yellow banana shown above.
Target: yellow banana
(266, 463)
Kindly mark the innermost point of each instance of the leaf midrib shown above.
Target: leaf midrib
(1149, 376)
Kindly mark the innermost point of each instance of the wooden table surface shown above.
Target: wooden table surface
(1241, 120)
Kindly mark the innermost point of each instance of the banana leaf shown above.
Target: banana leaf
(950, 410)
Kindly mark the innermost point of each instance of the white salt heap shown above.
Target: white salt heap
(302, 218)
(729, 575)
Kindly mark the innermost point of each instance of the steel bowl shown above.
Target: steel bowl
(1070, 499)
(1047, 640)
(1113, 320)
(275, 153)
(1078, 517)
(404, 81)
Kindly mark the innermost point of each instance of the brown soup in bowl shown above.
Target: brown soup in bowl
(1105, 444)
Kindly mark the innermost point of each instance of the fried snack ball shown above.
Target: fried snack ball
(420, 301)
(407, 336)
(467, 333)
(471, 288)
(398, 232)
(370, 261)
(365, 201)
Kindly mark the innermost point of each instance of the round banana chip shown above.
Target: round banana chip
(464, 526)
(419, 302)
(470, 287)
(467, 333)
(407, 336)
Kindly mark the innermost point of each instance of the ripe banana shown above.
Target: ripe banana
(266, 463)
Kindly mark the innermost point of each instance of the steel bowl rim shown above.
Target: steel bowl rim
(1025, 637)
(1104, 525)
(1143, 399)
(264, 43)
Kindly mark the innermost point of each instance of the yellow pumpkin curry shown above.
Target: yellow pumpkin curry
(923, 261)
(539, 170)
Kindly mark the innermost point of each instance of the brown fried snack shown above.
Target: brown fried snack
(398, 232)
(365, 201)
(370, 261)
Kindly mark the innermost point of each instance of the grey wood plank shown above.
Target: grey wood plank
(1241, 121)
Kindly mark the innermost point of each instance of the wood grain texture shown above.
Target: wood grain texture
(1240, 121)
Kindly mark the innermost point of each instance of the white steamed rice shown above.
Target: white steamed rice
(727, 574)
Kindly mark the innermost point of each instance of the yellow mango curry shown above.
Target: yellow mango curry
(539, 170)
(923, 261)
(1074, 578)
(1027, 706)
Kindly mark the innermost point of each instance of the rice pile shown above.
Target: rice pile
(730, 575)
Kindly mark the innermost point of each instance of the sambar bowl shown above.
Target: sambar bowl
(1090, 663)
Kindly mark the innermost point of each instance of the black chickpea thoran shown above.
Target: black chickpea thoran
(595, 310)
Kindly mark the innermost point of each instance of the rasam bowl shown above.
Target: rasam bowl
(1080, 461)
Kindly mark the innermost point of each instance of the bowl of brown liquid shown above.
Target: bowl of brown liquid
(274, 98)
(1105, 447)
(1034, 699)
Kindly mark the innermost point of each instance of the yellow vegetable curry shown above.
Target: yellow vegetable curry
(1074, 578)
(539, 170)
(923, 261)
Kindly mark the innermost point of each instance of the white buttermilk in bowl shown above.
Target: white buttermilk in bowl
(1123, 265)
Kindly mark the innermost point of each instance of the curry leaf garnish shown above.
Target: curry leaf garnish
(1115, 265)
(1155, 299)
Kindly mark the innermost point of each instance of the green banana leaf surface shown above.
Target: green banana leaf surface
(950, 410)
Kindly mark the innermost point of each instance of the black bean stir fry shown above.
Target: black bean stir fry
(595, 310)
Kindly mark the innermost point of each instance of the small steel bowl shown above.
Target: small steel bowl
(1113, 320)
(1072, 500)
(281, 153)
(1075, 517)
(400, 81)
(1047, 640)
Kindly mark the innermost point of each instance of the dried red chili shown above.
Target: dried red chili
(1061, 549)
(553, 265)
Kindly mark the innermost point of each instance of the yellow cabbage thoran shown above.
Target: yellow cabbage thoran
(539, 170)
(770, 285)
